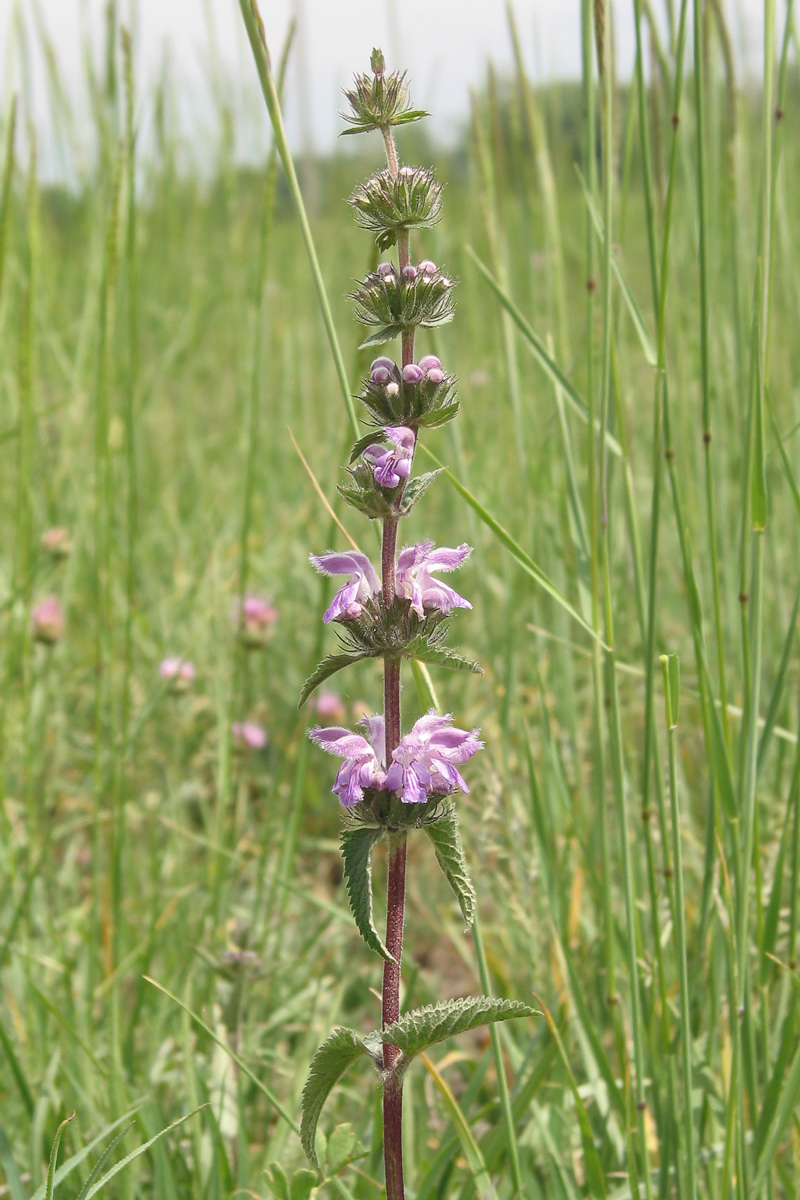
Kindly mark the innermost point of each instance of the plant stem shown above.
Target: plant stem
(396, 887)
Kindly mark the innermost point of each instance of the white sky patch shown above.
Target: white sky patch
(200, 44)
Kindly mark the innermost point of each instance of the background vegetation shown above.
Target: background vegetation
(156, 345)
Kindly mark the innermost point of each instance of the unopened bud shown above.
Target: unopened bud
(392, 389)
(412, 373)
(428, 267)
(377, 62)
(409, 273)
(435, 375)
(385, 270)
(430, 362)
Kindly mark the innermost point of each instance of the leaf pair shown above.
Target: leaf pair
(357, 845)
(413, 1033)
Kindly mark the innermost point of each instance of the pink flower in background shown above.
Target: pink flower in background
(249, 735)
(257, 615)
(179, 670)
(329, 707)
(47, 620)
(57, 542)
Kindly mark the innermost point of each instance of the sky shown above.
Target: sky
(444, 45)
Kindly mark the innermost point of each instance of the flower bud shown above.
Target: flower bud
(412, 373)
(48, 621)
(430, 362)
(409, 273)
(427, 267)
(377, 62)
(435, 375)
(393, 389)
(379, 375)
(386, 269)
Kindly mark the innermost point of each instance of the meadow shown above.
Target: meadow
(175, 940)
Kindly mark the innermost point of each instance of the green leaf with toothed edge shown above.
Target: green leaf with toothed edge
(369, 439)
(329, 666)
(338, 1052)
(440, 416)
(371, 504)
(423, 651)
(423, 1027)
(357, 846)
(386, 334)
(446, 837)
(415, 489)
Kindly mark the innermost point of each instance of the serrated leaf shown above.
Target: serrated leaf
(415, 488)
(371, 504)
(414, 114)
(329, 666)
(338, 1052)
(369, 439)
(446, 838)
(424, 1027)
(385, 334)
(278, 1181)
(303, 1182)
(443, 657)
(51, 1169)
(386, 239)
(440, 416)
(341, 1144)
(357, 846)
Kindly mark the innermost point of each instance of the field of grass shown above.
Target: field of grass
(630, 409)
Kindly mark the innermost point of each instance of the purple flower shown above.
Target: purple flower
(363, 765)
(412, 373)
(393, 466)
(47, 619)
(426, 761)
(352, 596)
(430, 362)
(409, 273)
(427, 267)
(381, 369)
(414, 582)
(249, 735)
(386, 270)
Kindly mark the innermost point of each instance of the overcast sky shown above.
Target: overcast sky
(444, 44)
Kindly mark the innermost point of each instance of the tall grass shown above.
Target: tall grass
(627, 465)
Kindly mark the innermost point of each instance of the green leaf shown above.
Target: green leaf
(278, 1181)
(9, 1168)
(415, 488)
(440, 416)
(385, 334)
(341, 1145)
(51, 1169)
(369, 439)
(104, 1157)
(443, 657)
(329, 666)
(303, 1182)
(505, 538)
(338, 1052)
(446, 838)
(371, 504)
(357, 846)
(115, 1170)
(785, 1110)
(423, 1027)
(633, 308)
(549, 364)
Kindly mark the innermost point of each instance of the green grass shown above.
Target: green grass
(154, 348)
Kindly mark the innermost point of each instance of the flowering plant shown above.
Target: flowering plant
(390, 783)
